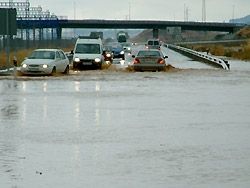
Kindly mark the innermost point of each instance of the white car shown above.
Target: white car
(45, 62)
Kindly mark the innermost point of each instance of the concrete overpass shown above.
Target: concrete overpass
(127, 24)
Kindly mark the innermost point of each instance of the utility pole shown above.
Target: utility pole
(74, 30)
(129, 11)
(204, 11)
(233, 13)
(186, 13)
(8, 38)
(74, 4)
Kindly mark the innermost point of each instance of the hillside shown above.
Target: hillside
(244, 33)
(244, 20)
(235, 50)
(169, 38)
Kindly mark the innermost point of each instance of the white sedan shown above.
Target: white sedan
(45, 62)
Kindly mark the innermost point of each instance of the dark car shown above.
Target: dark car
(127, 47)
(118, 51)
(149, 60)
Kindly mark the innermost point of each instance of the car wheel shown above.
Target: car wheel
(53, 73)
(66, 70)
(76, 66)
(99, 66)
(18, 73)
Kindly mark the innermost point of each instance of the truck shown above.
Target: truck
(122, 36)
(96, 34)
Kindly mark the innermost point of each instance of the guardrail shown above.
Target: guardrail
(201, 56)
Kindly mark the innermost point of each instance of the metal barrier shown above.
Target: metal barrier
(201, 56)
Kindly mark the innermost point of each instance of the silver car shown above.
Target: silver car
(149, 60)
(45, 62)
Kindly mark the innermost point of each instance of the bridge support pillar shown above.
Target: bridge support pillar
(155, 33)
(52, 34)
(59, 33)
(27, 38)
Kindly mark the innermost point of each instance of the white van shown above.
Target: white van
(153, 44)
(88, 52)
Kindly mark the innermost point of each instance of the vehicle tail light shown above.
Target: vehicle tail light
(161, 61)
(137, 61)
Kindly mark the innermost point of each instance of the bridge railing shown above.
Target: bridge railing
(201, 56)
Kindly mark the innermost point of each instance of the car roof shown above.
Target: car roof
(150, 50)
(88, 41)
(153, 39)
(48, 50)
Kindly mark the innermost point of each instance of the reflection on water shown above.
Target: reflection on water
(77, 86)
(97, 104)
(9, 108)
(45, 87)
(45, 107)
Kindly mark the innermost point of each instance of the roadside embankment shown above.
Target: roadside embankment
(20, 55)
(241, 52)
(238, 50)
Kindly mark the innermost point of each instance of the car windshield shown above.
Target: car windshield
(148, 54)
(88, 48)
(42, 55)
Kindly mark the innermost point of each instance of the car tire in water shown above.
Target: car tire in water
(53, 73)
(66, 70)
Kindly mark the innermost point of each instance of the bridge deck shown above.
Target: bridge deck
(128, 24)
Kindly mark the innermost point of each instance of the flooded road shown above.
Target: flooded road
(188, 127)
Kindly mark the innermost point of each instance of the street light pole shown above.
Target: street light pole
(8, 39)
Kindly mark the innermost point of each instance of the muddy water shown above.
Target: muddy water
(187, 127)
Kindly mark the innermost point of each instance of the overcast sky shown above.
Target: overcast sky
(216, 10)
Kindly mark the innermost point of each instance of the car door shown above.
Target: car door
(59, 64)
(64, 60)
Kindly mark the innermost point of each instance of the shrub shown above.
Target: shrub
(20, 55)
(217, 50)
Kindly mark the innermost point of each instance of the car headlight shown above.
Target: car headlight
(24, 65)
(129, 48)
(122, 52)
(45, 66)
(77, 59)
(97, 60)
(122, 62)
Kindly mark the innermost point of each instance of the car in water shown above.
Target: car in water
(127, 47)
(153, 44)
(88, 53)
(107, 53)
(117, 51)
(45, 62)
(149, 60)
